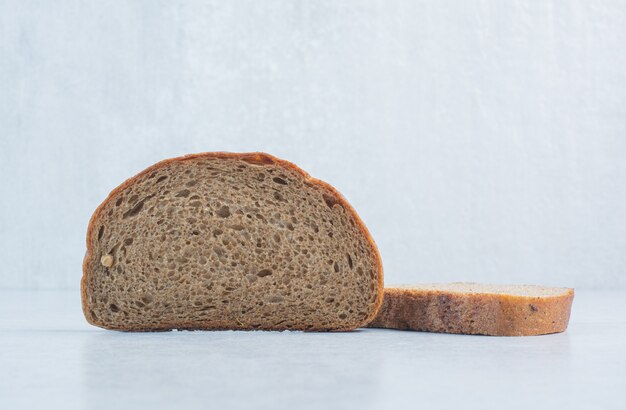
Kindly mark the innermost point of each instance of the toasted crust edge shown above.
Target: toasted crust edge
(488, 314)
(259, 158)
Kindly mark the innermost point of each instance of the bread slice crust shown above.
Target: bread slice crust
(260, 159)
(444, 309)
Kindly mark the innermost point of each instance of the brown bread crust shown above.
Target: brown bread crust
(473, 313)
(258, 158)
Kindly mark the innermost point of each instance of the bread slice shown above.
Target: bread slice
(472, 308)
(229, 241)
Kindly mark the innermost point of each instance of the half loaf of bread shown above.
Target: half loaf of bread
(229, 241)
(472, 308)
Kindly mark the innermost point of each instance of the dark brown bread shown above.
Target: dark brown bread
(470, 308)
(229, 241)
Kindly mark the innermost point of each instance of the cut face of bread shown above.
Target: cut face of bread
(229, 241)
(472, 308)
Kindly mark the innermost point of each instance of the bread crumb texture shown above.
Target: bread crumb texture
(229, 241)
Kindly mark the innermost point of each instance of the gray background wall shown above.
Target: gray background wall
(479, 140)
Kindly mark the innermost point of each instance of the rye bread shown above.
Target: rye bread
(470, 308)
(229, 241)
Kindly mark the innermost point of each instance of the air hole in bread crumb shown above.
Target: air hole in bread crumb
(137, 208)
(336, 267)
(263, 273)
(128, 241)
(342, 316)
(100, 232)
(161, 179)
(223, 212)
(330, 201)
(349, 261)
(119, 201)
(184, 193)
(114, 307)
(279, 181)
(191, 183)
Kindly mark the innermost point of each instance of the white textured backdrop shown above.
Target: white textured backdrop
(479, 140)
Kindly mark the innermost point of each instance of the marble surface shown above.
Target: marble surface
(486, 139)
(51, 358)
